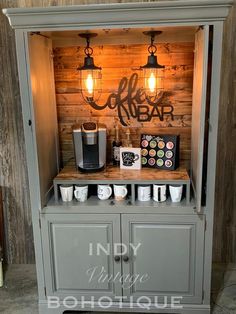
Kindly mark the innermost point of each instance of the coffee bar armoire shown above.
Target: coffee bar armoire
(176, 238)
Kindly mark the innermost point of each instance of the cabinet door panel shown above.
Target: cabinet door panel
(44, 112)
(199, 111)
(170, 253)
(72, 263)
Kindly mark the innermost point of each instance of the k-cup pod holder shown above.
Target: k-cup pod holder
(160, 151)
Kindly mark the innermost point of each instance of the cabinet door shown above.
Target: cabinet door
(44, 113)
(75, 260)
(169, 252)
(199, 111)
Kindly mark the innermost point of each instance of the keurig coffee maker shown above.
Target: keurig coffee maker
(90, 146)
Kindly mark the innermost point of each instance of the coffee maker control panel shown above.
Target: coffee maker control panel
(89, 126)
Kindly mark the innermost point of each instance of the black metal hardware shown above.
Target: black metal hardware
(117, 258)
(126, 258)
(88, 60)
(39, 34)
(152, 49)
(29, 122)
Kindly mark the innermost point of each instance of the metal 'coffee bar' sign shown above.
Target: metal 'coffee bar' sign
(131, 102)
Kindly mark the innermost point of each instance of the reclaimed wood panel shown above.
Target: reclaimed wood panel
(224, 249)
(119, 61)
(13, 173)
(1, 227)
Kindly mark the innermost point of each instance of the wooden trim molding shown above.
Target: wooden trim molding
(119, 15)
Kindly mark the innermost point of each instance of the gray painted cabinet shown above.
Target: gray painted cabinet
(164, 252)
(175, 248)
(170, 252)
(73, 261)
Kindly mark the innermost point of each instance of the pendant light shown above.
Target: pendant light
(90, 74)
(152, 71)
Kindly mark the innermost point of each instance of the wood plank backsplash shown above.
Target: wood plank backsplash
(119, 61)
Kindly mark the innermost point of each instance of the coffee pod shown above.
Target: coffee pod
(160, 162)
(170, 145)
(160, 153)
(161, 144)
(153, 144)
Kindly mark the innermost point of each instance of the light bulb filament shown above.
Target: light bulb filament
(89, 84)
(152, 83)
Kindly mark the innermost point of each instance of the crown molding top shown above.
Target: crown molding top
(118, 15)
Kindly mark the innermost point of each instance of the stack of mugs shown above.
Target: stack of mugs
(159, 192)
(80, 192)
(104, 192)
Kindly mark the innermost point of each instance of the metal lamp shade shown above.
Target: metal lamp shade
(90, 84)
(153, 82)
(153, 78)
(90, 80)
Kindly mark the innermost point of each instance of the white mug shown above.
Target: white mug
(81, 193)
(120, 191)
(104, 191)
(66, 192)
(159, 192)
(144, 193)
(176, 192)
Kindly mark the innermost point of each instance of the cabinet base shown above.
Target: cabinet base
(60, 308)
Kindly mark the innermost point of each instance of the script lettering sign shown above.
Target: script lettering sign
(132, 103)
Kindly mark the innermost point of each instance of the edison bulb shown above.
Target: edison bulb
(89, 84)
(152, 82)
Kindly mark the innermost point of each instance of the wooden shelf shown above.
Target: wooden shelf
(112, 174)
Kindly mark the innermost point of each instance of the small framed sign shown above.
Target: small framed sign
(130, 158)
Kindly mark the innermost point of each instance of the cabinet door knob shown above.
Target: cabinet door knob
(126, 258)
(117, 258)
